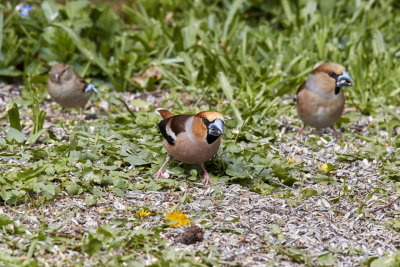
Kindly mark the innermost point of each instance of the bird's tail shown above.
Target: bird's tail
(163, 112)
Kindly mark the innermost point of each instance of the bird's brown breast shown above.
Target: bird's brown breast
(191, 150)
(68, 94)
(317, 111)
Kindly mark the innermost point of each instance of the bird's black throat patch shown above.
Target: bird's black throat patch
(211, 138)
(337, 90)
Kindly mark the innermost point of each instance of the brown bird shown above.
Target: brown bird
(69, 89)
(320, 100)
(192, 139)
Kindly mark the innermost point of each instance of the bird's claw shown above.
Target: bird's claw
(207, 179)
(159, 174)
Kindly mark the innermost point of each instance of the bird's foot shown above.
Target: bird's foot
(337, 134)
(298, 135)
(159, 174)
(207, 179)
(160, 171)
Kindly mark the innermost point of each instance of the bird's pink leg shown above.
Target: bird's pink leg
(160, 171)
(300, 131)
(338, 136)
(207, 179)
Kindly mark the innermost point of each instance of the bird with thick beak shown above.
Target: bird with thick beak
(320, 100)
(191, 139)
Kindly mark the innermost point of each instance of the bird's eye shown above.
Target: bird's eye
(204, 119)
(332, 74)
(64, 71)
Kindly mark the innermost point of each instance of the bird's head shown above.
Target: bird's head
(61, 72)
(209, 125)
(330, 78)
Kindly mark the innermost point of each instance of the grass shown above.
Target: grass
(244, 59)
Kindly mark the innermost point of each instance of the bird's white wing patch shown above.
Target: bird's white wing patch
(170, 133)
(188, 128)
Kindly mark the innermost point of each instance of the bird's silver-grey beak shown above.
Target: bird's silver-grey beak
(344, 80)
(57, 77)
(216, 128)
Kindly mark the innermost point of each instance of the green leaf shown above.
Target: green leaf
(5, 220)
(237, 170)
(92, 246)
(12, 196)
(50, 10)
(308, 192)
(91, 200)
(39, 120)
(73, 188)
(283, 174)
(91, 175)
(323, 179)
(227, 89)
(11, 71)
(34, 137)
(32, 173)
(287, 10)
(274, 228)
(49, 189)
(135, 160)
(74, 7)
(15, 135)
(326, 259)
(13, 115)
(369, 196)
(232, 10)
(387, 261)
(235, 220)
(140, 103)
(121, 193)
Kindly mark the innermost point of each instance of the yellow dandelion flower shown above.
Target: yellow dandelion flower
(289, 159)
(143, 213)
(179, 217)
(325, 168)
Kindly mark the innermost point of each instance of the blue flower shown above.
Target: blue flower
(24, 10)
(91, 87)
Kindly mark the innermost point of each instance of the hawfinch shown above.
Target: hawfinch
(320, 100)
(69, 89)
(192, 139)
